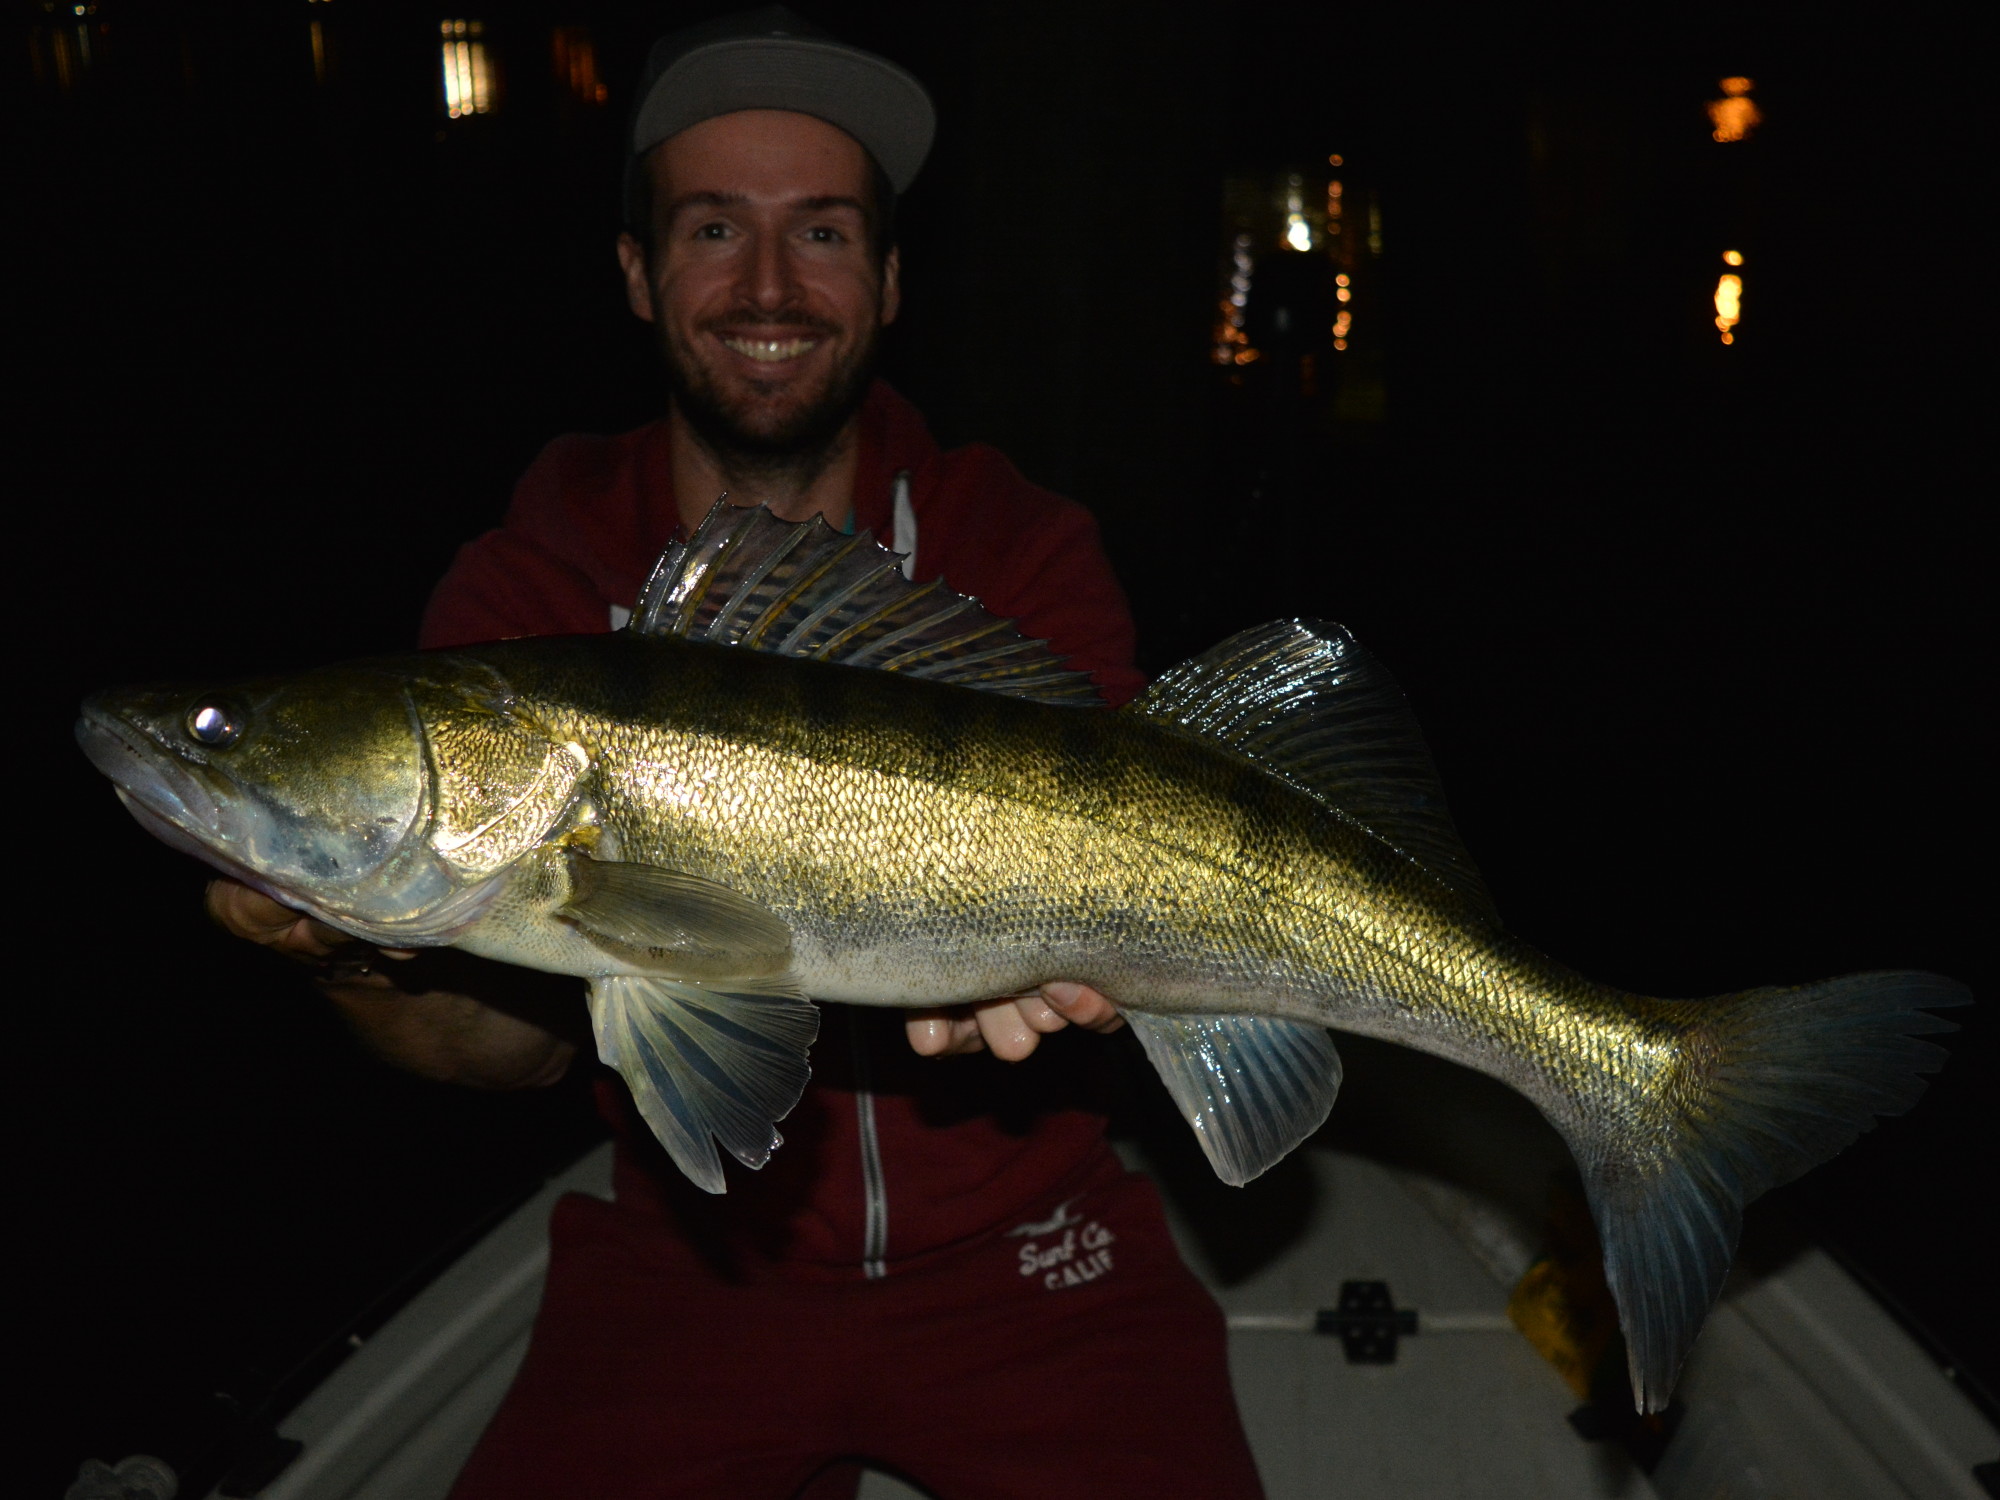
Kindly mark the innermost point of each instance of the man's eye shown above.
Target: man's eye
(825, 234)
(712, 232)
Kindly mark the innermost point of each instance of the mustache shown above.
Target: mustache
(751, 320)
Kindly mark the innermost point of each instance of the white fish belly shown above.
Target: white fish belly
(913, 973)
(906, 973)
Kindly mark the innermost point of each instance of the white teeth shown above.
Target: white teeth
(769, 351)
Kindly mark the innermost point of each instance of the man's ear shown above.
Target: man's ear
(892, 285)
(638, 290)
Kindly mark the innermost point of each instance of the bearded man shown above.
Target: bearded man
(945, 1271)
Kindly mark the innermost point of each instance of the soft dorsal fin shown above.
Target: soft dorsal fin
(800, 588)
(1302, 699)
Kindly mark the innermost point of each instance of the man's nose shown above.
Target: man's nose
(770, 278)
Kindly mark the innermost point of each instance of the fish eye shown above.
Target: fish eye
(213, 725)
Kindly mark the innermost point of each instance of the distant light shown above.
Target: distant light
(1732, 257)
(1342, 280)
(574, 54)
(468, 75)
(1298, 233)
(1232, 343)
(1734, 116)
(1336, 161)
(1728, 305)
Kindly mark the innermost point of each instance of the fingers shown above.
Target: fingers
(1012, 1026)
(1003, 1026)
(245, 913)
(1033, 1008)
(256, 918)
(998, 1025)
(947, 1032)
(1080, 1005)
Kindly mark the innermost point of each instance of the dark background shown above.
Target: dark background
(1691, 629)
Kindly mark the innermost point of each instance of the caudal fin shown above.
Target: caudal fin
(1778, 1081)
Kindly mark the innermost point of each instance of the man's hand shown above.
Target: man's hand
(1014, 1025)
(435, 1033)
(256, 918)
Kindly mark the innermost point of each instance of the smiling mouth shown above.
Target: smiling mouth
(768, 351)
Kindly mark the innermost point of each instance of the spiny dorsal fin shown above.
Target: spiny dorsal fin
(1302, 699)
(800, 588)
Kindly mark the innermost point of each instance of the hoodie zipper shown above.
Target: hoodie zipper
(903, 524)
(874, 1194)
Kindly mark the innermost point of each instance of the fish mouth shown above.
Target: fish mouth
(168, 796)
(149, 775)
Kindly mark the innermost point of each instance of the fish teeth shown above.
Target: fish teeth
(769, 351)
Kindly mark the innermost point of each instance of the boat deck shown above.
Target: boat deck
(1802, 1386)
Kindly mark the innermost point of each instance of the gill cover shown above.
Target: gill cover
(502, 782)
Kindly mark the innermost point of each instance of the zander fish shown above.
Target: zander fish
(798, 776)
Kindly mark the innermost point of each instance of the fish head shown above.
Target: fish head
(315, 789)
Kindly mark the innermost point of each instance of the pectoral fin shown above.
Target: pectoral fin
(707, 1066)
(705, 929)
(1251, 1087)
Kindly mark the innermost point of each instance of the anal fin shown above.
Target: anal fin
(1251, 1087)
(707, 1065)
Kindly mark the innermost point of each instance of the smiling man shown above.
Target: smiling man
(768, 293)
(944, 1270)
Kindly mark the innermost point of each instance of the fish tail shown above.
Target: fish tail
(1769, 1083)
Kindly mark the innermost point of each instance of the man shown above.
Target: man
(944, 1270)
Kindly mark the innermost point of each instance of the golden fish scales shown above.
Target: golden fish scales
(1010, 842)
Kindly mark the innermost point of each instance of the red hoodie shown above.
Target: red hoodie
(889, 1158)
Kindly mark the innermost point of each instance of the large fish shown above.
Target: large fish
(718, 813)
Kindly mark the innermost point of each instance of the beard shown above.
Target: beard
(765, 432)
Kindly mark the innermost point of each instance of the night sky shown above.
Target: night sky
(1691, 628)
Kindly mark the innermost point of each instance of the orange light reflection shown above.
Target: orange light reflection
(1734, 116)
(1728, 305)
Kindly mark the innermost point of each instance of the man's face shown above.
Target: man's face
(766, 297)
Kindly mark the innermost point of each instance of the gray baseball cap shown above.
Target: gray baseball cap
(771, 58)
